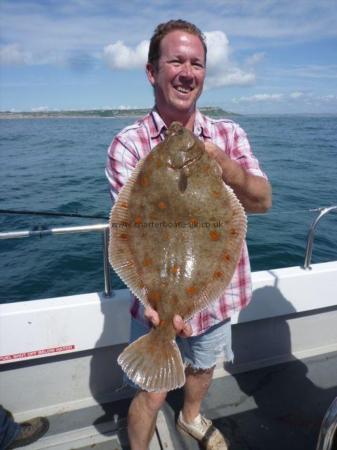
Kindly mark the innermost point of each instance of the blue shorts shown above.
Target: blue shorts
(202, 351)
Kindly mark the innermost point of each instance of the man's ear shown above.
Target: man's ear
(150, 72)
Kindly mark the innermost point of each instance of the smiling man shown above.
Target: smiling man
(176, 69)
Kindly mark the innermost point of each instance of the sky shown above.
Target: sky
(264, 56)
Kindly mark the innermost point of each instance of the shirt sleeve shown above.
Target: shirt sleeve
(121, 160)
(240, 150)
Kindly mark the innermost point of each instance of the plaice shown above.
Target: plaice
(176, 232)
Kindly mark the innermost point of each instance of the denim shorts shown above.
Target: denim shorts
(202, 351)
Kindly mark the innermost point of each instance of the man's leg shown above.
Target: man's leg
(9, 429)
(142, 418)
(195, 389)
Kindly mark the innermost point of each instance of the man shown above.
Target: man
(176, 69)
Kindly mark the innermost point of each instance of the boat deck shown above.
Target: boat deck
(272, 408)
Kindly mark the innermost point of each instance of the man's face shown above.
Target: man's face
(178, 80)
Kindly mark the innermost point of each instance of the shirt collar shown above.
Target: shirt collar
(158, 126)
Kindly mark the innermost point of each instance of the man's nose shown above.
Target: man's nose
(187, 70)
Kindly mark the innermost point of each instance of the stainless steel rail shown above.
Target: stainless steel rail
(311, 235)
(42, 231)
(104, 229)
(328, 428)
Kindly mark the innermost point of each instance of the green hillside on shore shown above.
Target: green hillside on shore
(104, 113)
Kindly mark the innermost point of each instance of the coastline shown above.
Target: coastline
(100, 113)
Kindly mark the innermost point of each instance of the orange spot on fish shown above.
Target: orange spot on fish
(233, 232)
(124, 236)
(154, 297)
(138, 220)
(147, 262)
(216, 194)
(191, 290)
(175, 269)
(144, 181)
(194, 222)
(227, 257)
(214, 235)
(218, 274)
(123, 205)
(162, 205)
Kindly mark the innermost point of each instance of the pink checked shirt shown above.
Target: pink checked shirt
(135, 142)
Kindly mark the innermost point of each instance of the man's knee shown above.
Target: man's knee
(153, 401)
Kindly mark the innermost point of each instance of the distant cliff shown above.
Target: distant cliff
(92, 113)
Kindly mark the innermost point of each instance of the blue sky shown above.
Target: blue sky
(265, 56)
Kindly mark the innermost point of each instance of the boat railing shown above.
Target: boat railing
(43, 231)
(311, 235)
(104, 229)
(328, 428)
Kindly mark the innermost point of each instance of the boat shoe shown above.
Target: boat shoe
(204, 432)
(30, 431)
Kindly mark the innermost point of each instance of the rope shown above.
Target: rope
(89, 216)
(50, 213)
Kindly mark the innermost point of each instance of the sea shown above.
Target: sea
(57, 165)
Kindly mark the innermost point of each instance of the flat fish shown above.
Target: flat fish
(176, 233)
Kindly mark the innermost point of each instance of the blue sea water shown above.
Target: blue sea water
(58, 165)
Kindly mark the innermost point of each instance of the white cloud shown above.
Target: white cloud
(297, 94)
(13, 54)
(221, 70)
(41, 109)
(229, 76)
(217, 48)
(259, 98)
(255, 58)
(120, 56)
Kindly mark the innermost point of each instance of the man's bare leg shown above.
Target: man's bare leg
(196, 387)
(142, 418)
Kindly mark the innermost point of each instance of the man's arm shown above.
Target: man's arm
(253, 191)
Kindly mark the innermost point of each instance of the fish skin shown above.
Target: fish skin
(176, 232)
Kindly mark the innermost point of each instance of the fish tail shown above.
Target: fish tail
(152, 363)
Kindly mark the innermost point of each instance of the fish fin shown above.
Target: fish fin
(238, 223)
(152, 365)
(120, 256)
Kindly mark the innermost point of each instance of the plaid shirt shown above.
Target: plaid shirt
(135, 142)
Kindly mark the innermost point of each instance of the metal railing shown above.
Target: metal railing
(311, 235)
(328, 428)
(42, 231)
(104, 229)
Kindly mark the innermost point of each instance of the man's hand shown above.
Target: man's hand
(253, 191)
(215, 152)
(182, 328)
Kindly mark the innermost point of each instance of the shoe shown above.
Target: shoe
(204, 432)
(30, 431)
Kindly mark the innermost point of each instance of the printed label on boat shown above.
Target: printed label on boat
(41, 352)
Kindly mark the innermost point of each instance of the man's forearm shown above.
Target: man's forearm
(253, 191)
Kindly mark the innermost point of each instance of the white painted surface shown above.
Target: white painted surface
(41, 328)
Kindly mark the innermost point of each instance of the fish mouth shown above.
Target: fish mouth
(186, 163)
